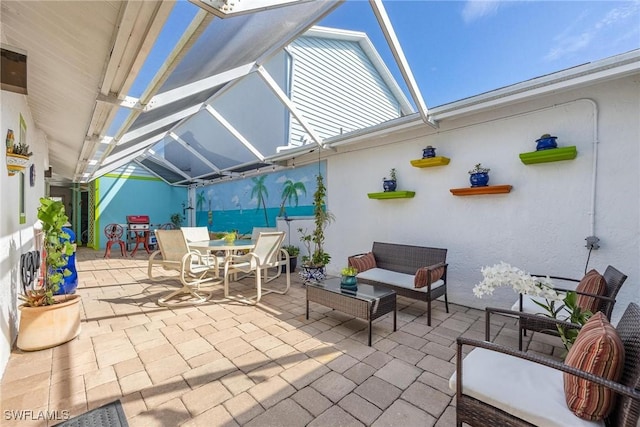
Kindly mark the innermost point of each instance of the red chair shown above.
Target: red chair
(114, 234)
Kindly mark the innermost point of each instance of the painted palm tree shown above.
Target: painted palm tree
(290, 191)
(200, 199)
(259, 191)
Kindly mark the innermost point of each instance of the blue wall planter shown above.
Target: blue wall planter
(389, 185)
(480, 179)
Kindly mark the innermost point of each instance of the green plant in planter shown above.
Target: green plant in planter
(176, 219)
(316, 256)
(293, 251)
(349, 271)
(57, 250)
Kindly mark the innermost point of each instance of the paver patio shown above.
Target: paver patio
(228, 364)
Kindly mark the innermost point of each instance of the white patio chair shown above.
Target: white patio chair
(201, 234)
(194, 269)
(267, 253)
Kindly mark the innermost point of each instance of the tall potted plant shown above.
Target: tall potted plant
(313, 264)
(46, 319)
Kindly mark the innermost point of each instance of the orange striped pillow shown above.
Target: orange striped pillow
(592, 283)
(598, 350)
(434, 273)
(363, 262)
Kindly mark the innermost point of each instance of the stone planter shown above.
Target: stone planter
(50, 325)
(315, 274)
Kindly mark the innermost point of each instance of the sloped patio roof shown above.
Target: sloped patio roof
(94, 124)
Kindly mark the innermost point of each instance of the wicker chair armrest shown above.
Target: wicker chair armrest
(438, 265)
(541, 360)
(520, 314)
(568, 279)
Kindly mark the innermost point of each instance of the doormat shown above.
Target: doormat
(109, 415)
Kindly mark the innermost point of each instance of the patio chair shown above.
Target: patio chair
(194, 269)
(201, 234)
(266, 254)
(499, 386)
(114, 234)
(613, 279)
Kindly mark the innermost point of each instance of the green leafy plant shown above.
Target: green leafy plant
(230, 237)
(176, 219)
(57, 249)
(293, 251)
(392, 175)
(349, 271)
(479, 169)
(316, 256)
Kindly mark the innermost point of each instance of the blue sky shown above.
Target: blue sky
(458, 49)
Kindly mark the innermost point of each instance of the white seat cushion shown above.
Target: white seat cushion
(394, 278)
(527, 390)
(528, 306)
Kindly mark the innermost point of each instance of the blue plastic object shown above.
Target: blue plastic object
(480, 179)
(70, 283)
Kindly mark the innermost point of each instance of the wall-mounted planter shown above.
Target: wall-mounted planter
(16, 163)
(474, 191)
(430, 162)
(392, 195)
(551, 155)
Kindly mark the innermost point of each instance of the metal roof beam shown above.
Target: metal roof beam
(234, 132)
(401, 60)
(137, 147)
(192, 151)
(163, 162)
(194, 88)
(290, 105)
(158, 124)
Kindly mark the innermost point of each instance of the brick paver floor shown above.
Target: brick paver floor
(228, 364)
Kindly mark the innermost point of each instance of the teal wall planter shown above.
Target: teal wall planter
(551, 155)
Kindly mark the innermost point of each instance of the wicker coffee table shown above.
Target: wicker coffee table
(368, 302)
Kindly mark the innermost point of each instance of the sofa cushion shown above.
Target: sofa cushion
(598, 349)
(528, 306)
(395, 279)
(591, 283)
(527, 390)
(426, 275)
(363, 262)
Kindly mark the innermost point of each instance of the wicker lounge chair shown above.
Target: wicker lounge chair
(613, 279)
(499, 386)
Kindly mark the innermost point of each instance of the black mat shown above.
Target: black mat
(109, 415)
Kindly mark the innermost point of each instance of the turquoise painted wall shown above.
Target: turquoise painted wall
(257, 201)
(132, 191)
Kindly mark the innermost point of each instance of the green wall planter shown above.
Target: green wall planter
(551, 155)
(392, 195)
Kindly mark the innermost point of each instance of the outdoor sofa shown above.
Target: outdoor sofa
(416, 272)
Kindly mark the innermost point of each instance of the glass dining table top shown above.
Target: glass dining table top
(222, 245)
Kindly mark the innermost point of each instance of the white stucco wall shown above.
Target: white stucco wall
(540, 226)
(16, 238)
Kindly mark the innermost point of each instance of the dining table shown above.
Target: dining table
(229, 248)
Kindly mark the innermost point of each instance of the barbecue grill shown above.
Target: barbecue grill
(138, 230)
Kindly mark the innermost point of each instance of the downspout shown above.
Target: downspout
(594, 173)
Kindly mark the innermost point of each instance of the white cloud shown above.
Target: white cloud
(570, 41)
(477, 9)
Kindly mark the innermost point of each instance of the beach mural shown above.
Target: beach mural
(259, 200)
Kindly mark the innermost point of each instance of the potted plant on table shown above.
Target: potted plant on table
(46, 319)
(313, 264)
(349, 280)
